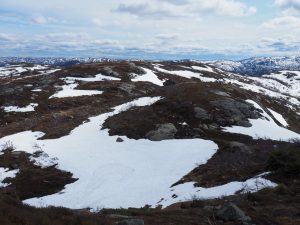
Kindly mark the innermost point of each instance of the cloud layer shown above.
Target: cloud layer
(152, 28)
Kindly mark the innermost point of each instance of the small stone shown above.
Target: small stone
(119, 139)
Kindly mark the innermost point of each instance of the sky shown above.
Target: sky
(150, 29)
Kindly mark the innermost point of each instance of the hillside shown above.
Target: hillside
(168, 142)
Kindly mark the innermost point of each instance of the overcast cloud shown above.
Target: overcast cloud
(150, 28)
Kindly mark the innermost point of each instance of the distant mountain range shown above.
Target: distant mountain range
(54, 61)
(250, 67)
(259, 66)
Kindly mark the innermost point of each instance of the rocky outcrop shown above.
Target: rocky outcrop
(131, 222)
(233, 112)
(163, 132)
(109, 72)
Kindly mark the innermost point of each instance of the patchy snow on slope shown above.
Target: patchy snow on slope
(15, 70)
(106, 168)
(279, 117)
(187, 74)
(264, 128)
(206, 69)
(42, 159)
(98, 77)
(29, 108)
(69, 90)
(286, 82)
(188, 191)
(258, 87)
(6, 173)
(149, 76)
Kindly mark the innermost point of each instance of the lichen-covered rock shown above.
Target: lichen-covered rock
(163, 132)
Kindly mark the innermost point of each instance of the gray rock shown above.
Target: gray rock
(119, 139)
(126, 87)
(135, 69)
(163, 132)
(233, 112)
(221, 93)
(201, 114)
(131, 222)
(6, 91)
(109, 72)
(230, 212)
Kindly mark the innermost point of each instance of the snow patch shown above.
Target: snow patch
(69, 90)
(264, 128)
(188, 191)
(149, 76)
(279, 117)
(105, 168)
(6, 173)
(29, 108)
(98, 77)
(187, 74)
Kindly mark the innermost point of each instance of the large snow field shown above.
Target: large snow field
(132, 173)
(111, 174)
(265, 127)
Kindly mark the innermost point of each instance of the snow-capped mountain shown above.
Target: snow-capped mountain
(54, 61)
(259, 66)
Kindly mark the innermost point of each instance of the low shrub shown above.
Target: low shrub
(286, 162)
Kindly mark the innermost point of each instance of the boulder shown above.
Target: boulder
(131, 222)
(163, 132)
(230, 212)
(135, 69)
(233, 112)
(109, 72)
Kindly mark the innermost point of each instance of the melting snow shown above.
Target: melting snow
(264, 128)
(187, 74)
(106, 168)
(279, 117)
(188, 191)
(29, 108)
(207, 69)
(128, 174)
(69, 90)
(98, 77)
(149, 76)
(5, 173)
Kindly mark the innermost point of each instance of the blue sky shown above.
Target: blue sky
(153, 29)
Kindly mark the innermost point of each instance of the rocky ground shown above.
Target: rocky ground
(191, 107)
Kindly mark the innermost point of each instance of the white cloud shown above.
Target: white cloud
(167, 8)
(67, 36)
(6, 37)
(288, 3)
(39, 19)
(283, 22)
